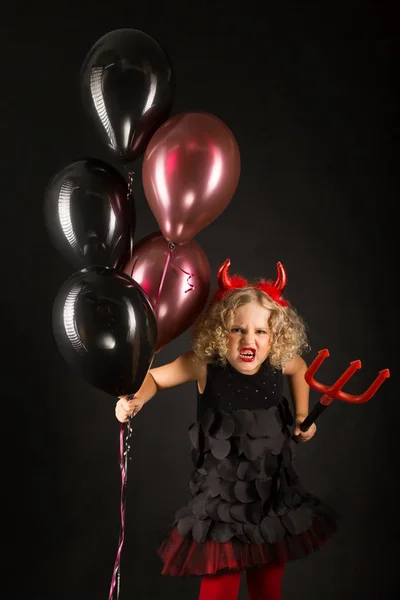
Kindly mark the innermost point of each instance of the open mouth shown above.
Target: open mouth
(247, 354)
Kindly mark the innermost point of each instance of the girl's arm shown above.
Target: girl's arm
(300, 392)
(299, 389)
(185, 368)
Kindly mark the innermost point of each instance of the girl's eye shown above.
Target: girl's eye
(236, 329)
(261, 331)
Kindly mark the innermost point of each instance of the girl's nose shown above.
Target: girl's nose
(248, 338)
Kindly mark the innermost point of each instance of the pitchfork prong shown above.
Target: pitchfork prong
(333, 391)
(367, 395)
(313, 368)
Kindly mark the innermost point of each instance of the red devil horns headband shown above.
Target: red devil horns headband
(272, 289)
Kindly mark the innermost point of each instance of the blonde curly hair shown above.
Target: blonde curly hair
(286, 327)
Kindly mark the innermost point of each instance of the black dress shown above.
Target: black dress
(248, 507)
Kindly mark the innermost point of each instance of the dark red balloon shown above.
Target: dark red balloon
(191, 170)
(177, 282)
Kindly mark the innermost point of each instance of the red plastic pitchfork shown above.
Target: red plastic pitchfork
(335, 390)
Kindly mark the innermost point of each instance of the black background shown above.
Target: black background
(308, 92)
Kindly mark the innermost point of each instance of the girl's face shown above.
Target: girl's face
(249, 338)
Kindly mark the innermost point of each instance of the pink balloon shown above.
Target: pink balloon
(190, 172)
(176, 281)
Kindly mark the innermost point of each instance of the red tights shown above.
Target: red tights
(263, 583)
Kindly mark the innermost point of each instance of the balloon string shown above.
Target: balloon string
(190, 275)
(171, 246)
(123, 461)
(130, 184)
(130, 204)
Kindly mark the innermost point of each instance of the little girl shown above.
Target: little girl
(248, 510)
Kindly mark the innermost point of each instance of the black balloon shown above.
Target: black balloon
(89, 215)
(127, 87)
(106, 329)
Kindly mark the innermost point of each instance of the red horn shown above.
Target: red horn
(281, 279)
(223, 278)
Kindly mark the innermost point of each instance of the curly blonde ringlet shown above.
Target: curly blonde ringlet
(287, 329)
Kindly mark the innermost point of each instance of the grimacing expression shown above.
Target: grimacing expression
(249, 338)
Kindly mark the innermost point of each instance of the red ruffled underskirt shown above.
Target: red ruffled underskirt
(181, 556)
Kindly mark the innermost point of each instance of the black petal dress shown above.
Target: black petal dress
(247, 507)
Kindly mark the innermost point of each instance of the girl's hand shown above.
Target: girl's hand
(127, 406)
(303, 436)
